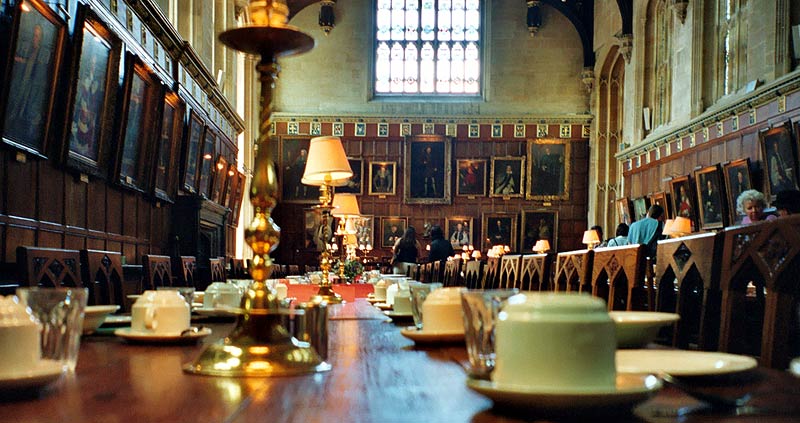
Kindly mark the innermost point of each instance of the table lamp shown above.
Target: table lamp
(681, 226)
(259, 345)
(345, 207)
(326, 166)
(667, 227)
(542, 246)
(590, 238)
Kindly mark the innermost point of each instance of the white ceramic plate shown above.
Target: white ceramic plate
(638, 328)
(392, 313)
(214, 312)
(682, 363)
(383, 306)
(429, 337)
(94, 316)
(135, 336)
(43, 373)
(630, 390)
(794, 367)
(117, 320)
(374, 300)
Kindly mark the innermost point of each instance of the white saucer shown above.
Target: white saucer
(373, 300)
(94, 316)
(638, 328)
(631, 389)
(215, 312)
(133, 296)
(117, 319)
(44, 372)
(383, 306)
(135, 336)
(392, 313)
(429, 337)
(682, 363)
(794, 367)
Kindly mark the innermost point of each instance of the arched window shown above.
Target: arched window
(427, 47)
(658, 63)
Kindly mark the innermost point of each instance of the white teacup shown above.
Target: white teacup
(441, 311)
(20, 346)
(160, 312)
(555, 340)
(402, 302)
(221, 294)
(380, 289)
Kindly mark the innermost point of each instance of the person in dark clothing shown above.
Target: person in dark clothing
(441, 249)
(406, 250)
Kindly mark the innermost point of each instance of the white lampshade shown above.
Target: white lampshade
(542, 246)
(668, 227)
(681, 226)
(590, 237)
(326, 161)
(345, 205)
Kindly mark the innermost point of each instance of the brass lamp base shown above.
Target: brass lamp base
(326, 293)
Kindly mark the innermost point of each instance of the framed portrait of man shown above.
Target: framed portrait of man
(235, 203)
(737, 180)
(624, 211)
(316, 235)
(382, 178)
(662, 199)
(640, 206)
(427, 169)
(458, 230)
(471, 178)
(683, 199)
(539, 224)
(355, 184)
(164, 179)
(779, 149)
(499, 229)
(548, 169)
(508, 175)
(392, 229)
(92, 95)
(191, 150)
(206, 162)
(29, 84)
(710, 188)
(294, 154)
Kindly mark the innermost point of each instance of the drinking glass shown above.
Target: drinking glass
(60, 311)
(420, 291)
(480, 317)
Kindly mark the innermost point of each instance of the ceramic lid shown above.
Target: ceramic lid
(555, 306)
(12, 313)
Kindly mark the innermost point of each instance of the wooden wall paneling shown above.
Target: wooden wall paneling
(75, 205)
(129, 214)
(96, 206)
(21, 200)
(129, 251)
(143, 218)
(4, 157)
(116, 246)
(50, 239)
(2, 239)
(15, 237)
(96, 244)
(50, 204)
(113, 211)
(74, 242)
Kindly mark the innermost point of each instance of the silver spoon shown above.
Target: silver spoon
(192, 330)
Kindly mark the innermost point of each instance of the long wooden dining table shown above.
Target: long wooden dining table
(378, 376)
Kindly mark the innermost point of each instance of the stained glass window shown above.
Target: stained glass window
(427, 47)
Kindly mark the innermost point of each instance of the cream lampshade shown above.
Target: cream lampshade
(542, 246)
(668, 227)
(680, 226)
(327, 163)
(345, 205)
(590, 238)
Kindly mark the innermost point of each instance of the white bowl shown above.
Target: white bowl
(94, 316)
(638, 328)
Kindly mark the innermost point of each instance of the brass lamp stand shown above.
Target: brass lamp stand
(259, 345)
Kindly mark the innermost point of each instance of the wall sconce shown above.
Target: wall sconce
(534, 20)
(327, 19)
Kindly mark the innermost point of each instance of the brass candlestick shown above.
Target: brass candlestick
(325, 292)
(259, 345)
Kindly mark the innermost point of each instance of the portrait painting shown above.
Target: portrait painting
(427, 169)
(548, 169)
(640, 206)
(471, 178)
(30, 81)
(624, 211)
(235, 203)
(230, 186)
(539, 224)
(710, 188)
(499, 229)
(205, 163)
(382, 178)
(683, 200)
(508, 175)
(142, 93)
(219, 179)
(315, 234)
(779, 150)
(191, 151)
(354, 184)
(170, 133)
(294, 154)
(458, 230)
(737, 179)
(662, 199)
(364, 225)
(392, 229)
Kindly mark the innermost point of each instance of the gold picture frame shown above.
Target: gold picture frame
(548, 169)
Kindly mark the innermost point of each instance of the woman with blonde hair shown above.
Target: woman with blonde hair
(752, 203)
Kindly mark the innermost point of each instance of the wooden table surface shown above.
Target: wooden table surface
(378, 376)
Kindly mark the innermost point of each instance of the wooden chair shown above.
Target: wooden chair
(437, 271)
(49, 267)
(188, 271)
(509, 271)
(217, 266)
(237, 269)
(687, 276)
(760, 291)
(452, 270)
(473, 274)
(618, 277)
(294, 270)
(491, 273)
(411, 271)
(157, 271)
(534, 272)
(573, 271)
(102, 271)
(425, 273)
